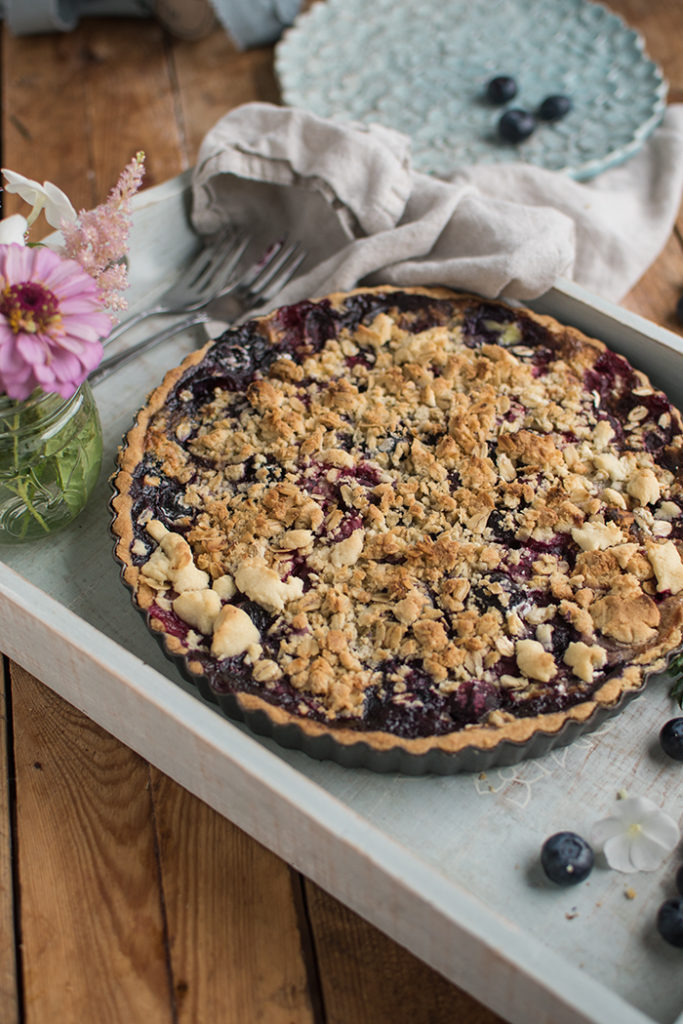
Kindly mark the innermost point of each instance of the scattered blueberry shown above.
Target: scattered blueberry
(679, 880)
(501, 89)
(671, 738)
(554, 107)
(516, 125)
(566, 858)
(670, 922)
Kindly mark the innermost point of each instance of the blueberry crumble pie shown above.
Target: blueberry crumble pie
(415, 518)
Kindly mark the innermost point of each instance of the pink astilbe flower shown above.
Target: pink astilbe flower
(51, 322)
(98, 239)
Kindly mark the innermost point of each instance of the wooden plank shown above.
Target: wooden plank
(9, 994)
(656, 294)
(367, 978)
(213, 77)
(78, 107)
(43, 114)
(93, 941)
(236, 946)
(131, 98)
(661, 24)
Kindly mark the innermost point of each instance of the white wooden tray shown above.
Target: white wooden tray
(448, 866)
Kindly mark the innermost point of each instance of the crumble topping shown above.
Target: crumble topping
(233, 633)
(471, 515)
(666, 561)
(263, 585)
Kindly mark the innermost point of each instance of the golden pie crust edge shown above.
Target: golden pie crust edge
(520, 731)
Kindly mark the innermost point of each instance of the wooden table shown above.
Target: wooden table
(123, 898)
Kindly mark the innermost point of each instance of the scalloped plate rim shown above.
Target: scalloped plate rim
(578, 171)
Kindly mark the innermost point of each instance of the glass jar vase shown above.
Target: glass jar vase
(50, 458)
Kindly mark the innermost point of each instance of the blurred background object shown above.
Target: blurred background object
(31, 17)
(248, 22)
(186, 19)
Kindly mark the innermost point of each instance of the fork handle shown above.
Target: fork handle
(113, 363)
(131, 321)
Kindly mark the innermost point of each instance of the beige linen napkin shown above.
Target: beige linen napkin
(349, 194)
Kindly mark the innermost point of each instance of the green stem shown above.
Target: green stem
(23, 483)
(23, 492)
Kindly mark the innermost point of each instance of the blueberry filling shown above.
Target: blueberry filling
(414, 314)
(616, 387)
(403, 698)
(498, 590)
(419, 711)
(160, 494)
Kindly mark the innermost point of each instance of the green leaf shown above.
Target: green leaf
(54, 477)
(71, 475)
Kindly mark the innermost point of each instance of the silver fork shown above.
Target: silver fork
(258, 285)
(205, 278)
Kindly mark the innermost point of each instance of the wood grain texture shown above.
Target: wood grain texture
(9, 993)
(93, 941)
(656, 294)
(130, 102)
(213, 77)
(661, 25)
(78, 107)
(235, 941)
(660, 22)
(139, 903)
(367, 978)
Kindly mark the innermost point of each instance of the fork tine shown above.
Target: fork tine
(222, 257)
(231, 308)
(271, 267)
(205, 255)
(224, 268)
(251, 275)
(284, 273)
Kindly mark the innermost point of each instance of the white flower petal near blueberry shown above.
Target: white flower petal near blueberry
(637, 837)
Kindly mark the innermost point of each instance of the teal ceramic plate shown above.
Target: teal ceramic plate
(421, 67)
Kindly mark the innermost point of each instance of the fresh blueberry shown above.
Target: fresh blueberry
(554, 107)
(671, 738)
(515, 125)
(566, 858)
(501, 89)
(679, 880)
(670, 922)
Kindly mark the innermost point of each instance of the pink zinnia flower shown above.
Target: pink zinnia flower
(51, 322)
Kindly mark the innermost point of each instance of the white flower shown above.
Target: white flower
(47, 197)
(13, 229)
(638, 837)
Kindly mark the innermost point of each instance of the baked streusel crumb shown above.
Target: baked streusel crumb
(413, 514)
